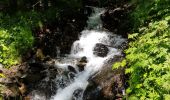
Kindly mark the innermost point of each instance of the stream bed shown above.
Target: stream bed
(89, 54)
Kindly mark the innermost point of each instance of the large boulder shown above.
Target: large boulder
(92, 92)
(108, 84)
(117, 19)
(100, 50)
(35, 73)
(21, 79)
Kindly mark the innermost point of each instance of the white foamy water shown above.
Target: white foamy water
(84, 47)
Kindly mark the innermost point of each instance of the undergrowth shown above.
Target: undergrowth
(15, 38)
(147, 58)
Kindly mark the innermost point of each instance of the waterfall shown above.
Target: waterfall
(70, 86)
(84, 47)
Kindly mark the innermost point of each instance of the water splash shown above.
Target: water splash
(84, 47)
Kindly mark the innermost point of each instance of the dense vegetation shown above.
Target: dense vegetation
(15, 38)
(17, 23)
(148, 54)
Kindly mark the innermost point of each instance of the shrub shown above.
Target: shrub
(15, 38)
(149, 10)
(148, 55)
(148, 58)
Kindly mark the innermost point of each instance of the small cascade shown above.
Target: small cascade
(94, 22)
(85, 47)
(87, 57)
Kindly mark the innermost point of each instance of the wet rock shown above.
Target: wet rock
(117, 20)
(47, 58)
(81, 64)
(123, 46)
(35, 73)
(35, 77)
(36, 67)
(107, 84)
(71, 76)
(46, 86)
(100, 50)
(52, 72)
(92, 92)
(77, 94)
(83, 59)
(72, 69)
(21, 79)
(46, 78)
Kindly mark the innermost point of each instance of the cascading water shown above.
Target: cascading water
(84, 47)
(94, 22)
(70, 86)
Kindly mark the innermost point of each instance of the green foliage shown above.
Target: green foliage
(15, 38)
(16, 35)
(149, 10)
(148, 58)
(119, 64)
